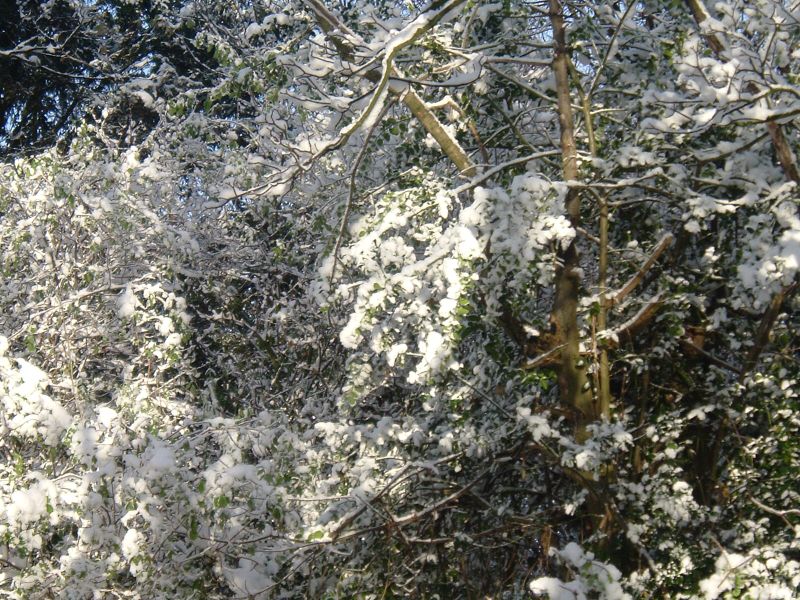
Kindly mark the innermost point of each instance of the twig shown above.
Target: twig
(717, 43)
(418, 514)
(400, 476)
(348, 520)
(485, 396)
(774, 511)
(476, 181)
(687, 343)
(547, 359)
(609, 48)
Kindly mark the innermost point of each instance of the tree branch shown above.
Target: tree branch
(333, 28)
(351, 194)
(717, 43)
(765, 328)
(636, 323)
(664, 243)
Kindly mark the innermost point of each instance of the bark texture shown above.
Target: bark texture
(574, 386)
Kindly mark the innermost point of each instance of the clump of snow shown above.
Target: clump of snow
(31, 413)
(127, 303)
(593, 579)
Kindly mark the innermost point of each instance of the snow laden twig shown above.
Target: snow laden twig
(351, 193)
(419, 514)
(635, 324)
(775, 511)
(719, 45)
(398, 478)
(429, 18)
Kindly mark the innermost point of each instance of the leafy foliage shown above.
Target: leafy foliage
(278, 301)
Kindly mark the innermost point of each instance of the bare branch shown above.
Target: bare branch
(664, 243)
(418, 514)
(691, 347)
(636, 323)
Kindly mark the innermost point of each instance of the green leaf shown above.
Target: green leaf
(193, 528)
(316, 535)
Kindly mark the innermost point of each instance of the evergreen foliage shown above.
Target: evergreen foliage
(391, 300)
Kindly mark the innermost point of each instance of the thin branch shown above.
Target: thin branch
(418, 514)
(609, 48)
(404, 473)
(690, 346)
(476, 181)
(550, 358)
(485, 396)
(536, 62)
(521, 84)
(774, 511)
(718, 44)
(353, 515)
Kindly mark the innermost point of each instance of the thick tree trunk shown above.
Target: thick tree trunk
(574, 386)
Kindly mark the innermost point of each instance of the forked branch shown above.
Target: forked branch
(340, 36)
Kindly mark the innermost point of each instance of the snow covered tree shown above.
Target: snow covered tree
(386, 299)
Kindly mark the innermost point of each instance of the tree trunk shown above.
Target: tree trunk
(575, 389)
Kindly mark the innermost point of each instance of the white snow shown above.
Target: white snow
(127, 302)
